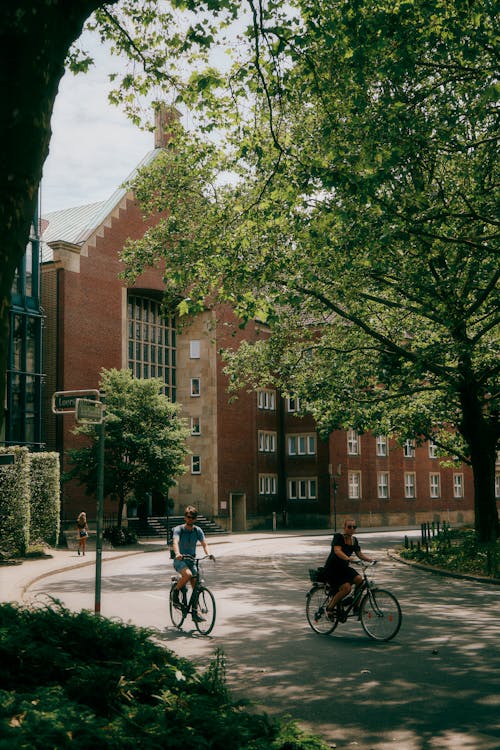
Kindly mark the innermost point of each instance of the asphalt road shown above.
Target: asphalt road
(434, 687)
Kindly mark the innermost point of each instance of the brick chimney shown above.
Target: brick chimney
(167, 118)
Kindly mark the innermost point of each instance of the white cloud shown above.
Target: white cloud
(94, 146)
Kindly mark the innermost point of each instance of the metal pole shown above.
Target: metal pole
(100, 512)
(334, 504)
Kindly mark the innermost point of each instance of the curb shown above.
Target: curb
(442, 572)
(82, 564)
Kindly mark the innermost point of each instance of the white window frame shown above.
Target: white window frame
(195, 464)
(381, 445)
(195, 390)
(458, 485)
(194, 349)
(195, 426)
(267, 441)
(293, 404)
(409, 448)
(354, 485)
(432, 449)
(302, 488)
(266, 399)
(301, 444)
(435, 485)
(353, 443)
(268, 484)
(410, 485)
(497, 485)
(383, 485)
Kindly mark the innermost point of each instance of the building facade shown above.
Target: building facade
(23, 395)
(253, 461)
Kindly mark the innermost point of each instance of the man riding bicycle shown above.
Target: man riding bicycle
(184, 541)
(337, 571)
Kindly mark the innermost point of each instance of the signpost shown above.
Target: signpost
(88, 409)
(64, 402)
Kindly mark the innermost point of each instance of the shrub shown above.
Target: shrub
(76, 680)
(15, 503)
(45, 500)
(119, 536)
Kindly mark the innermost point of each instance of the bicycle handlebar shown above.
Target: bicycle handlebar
(198, 559)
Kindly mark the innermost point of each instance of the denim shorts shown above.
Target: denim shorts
(179, 566)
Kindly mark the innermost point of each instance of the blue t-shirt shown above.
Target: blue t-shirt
(188, 539)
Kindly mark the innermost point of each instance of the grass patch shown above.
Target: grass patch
(458, 551)
(79, 681)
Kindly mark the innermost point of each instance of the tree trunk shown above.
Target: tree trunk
(481, 433)
(35, 37)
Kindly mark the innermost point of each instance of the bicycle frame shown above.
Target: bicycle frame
(200, 605)
(377, 609)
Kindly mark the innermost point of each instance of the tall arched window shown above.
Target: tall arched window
(151, 342)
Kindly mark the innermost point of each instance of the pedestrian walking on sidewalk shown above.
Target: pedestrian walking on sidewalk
(82, 531)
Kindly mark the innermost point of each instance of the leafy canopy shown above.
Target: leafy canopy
(348, 198)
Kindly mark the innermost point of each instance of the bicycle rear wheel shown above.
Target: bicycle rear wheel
(316, 614)
(380, 615)
(177, 615)
(206, 608)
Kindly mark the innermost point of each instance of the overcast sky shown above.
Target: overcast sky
(94, 147)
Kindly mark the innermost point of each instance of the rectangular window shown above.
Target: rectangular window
(458, 485)
(268, 484)
(267, 442)
(410, 488)
(381, 445)
(383, 484)
(302, 488)
(195, 386)
(195, 464)
(409, 449)
(354, 483)
(194, 350)
(301, 445)
(266, 399)
(151, 342)
(432, 449)
(293, 404)
(195, 426)
(435, 485)
(497, 485)
(353, 444)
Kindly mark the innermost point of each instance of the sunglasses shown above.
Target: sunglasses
(351, 526)
(189, 515)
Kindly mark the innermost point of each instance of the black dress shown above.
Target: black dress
(338, 571)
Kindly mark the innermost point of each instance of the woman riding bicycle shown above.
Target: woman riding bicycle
(337, 571)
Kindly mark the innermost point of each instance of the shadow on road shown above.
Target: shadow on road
(435, 687)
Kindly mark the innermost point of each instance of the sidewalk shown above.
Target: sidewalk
(16, 579)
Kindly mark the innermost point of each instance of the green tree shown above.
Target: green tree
(361, 218)
(145, 442)
(37, 45)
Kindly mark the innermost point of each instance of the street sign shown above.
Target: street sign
(6, 459)
(64, 402)
(88, 411)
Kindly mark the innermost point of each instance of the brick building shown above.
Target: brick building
(249, 458)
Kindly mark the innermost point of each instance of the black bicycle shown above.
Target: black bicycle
(200, 604)
(378, 609)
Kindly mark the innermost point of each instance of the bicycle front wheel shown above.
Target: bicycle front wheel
(206, 611)
(316, 613)
(380, 615)
(177, 615)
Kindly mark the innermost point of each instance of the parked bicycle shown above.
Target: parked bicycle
(199, 604)
(378, 609)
